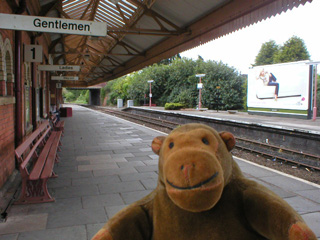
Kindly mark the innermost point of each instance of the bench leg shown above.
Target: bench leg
(47, 196)
(53, 175)
(57, 159)
(34, 192)
(23, 193)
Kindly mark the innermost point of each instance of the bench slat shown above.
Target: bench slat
(41, 161)
(27, 159)
(48, 168)
(31, 138)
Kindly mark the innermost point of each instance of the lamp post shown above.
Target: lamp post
(314, 117)
(150, 94)
(199, 86)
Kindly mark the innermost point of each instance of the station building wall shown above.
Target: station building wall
(34, 93)
(7, 102)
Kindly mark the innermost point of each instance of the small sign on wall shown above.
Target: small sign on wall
(58, 85)
(33, 53)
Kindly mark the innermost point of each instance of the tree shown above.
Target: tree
(177, 83)
(293, 50)
(267, 53)
(222, 87)
(169, 60)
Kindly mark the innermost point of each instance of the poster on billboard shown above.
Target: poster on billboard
(279, 88)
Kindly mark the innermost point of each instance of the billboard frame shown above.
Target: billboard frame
(281, 111)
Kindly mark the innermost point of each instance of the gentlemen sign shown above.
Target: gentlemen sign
(73, 68)
(67, 78)
(54, 25)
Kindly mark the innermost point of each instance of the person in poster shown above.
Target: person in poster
(269, 80)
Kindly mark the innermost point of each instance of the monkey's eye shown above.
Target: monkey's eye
(171, 145)
(205, 141)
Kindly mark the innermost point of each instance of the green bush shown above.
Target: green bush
(173, 106)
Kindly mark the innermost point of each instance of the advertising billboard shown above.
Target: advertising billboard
(279, 88)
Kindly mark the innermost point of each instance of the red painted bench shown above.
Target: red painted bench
(36, 157)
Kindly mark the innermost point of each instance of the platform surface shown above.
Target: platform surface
(107, 163)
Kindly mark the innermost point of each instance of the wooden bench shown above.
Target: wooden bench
(57, 125)
(36, 157)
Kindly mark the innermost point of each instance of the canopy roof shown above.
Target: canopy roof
(143, 32)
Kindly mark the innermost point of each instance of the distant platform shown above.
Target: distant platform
(244, 117)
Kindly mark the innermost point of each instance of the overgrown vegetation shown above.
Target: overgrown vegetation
(75, 96)
(173, 106)
(175, 81)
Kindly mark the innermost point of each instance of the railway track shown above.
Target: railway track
(273, 152)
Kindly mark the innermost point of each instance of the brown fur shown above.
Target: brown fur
(202, 194)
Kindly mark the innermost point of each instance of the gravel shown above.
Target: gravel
(301, 172)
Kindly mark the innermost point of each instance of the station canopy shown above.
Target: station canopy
(143, 32)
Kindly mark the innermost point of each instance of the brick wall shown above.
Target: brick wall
(7, 158)
(7, 93)
(7, 162)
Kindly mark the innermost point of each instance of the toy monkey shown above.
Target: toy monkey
(202, 194)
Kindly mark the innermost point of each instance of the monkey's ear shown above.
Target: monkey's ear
(228, 139)
(157, 143)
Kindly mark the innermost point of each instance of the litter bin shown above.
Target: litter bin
(65, 112)
(129, 103)
(120, 103)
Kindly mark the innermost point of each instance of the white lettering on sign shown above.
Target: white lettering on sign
(54, 25)
(58, 24)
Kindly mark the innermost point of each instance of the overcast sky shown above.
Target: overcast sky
(240, 48)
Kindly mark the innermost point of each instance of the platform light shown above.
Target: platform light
(200, 86)
(150, 94)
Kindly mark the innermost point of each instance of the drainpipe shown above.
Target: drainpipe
(18, 80)
(34, 90)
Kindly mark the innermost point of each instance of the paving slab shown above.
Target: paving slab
(112, 210)
(288, 183)
(65, 204)
(120, 187)
(130, 197)
(102, 200)
(302, 205)
(138, 176)
(74, 218)
(313, 195)
(95, 180)
(9, 236)
(75, 191)
(313, 221)
(116, 171)
(24, 223)
(92, 229)
(70, 233)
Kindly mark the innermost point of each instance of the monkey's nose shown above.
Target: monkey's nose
(186, 170)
